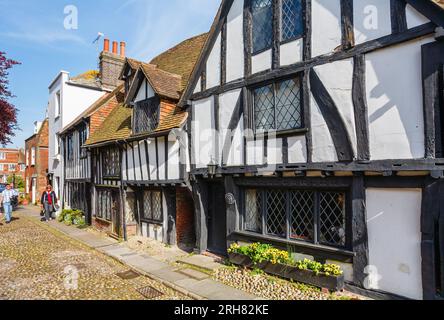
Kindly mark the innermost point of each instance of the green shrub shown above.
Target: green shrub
(72, 217)
(259, 253)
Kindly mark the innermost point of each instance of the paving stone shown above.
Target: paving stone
(39, 263)
(194, 274)
(201, 261)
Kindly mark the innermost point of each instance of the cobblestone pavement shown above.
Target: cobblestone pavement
(39, 263)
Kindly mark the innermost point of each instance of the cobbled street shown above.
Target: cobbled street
(39, 263)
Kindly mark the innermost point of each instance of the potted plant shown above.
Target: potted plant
(279, 263)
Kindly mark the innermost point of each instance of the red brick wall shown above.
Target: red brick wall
(185, 217)
(101, 225)
(12, 157)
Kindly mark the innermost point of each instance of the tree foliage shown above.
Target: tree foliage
(8, 112)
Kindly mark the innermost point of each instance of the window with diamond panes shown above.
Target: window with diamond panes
(278, 106)
(332, 218)
(146, 115)
(152, 206)
(262, 16)
(291, 214)
(111, 162)
(292, 19)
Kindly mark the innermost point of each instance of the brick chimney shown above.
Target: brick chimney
(111, 64)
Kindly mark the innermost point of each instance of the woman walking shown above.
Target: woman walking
(49, 202)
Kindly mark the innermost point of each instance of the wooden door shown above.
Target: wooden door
(115, 213)
(217, 219)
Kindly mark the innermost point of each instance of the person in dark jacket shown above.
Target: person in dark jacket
(49, 202)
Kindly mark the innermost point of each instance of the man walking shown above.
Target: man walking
(6, 198)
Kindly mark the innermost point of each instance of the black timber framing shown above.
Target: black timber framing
(275, 50)
(307, 113)
(432, 215)
(223, 54)
(360, 108)
(217, 154)
(398, 15)
(307, 30)
(367, 47)
(335, 123)
(432, 66)
(348, 36)
(147, 155)
(429, 9)
(248, 37)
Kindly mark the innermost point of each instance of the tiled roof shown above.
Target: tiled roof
(117, 126)
(171, 117)
(439, 2)
(164, 83)
(181, 59)
(88, 78)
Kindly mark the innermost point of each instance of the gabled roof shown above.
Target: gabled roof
(88, 78)
(117, 126)
(94, 107)
(164, 83)
(181, 59)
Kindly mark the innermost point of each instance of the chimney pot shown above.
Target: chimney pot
(106, 45)
(115, 47)
(122, 49)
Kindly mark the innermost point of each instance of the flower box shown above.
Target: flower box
(309, 277)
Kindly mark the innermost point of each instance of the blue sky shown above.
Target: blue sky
(33, 33)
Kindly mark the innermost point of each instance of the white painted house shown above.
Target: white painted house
(324, 120)
(68, 98)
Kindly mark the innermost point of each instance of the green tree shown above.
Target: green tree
(19, 183)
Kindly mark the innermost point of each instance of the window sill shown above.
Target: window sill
(304, 247)
(159, 223)
(278, 134)
(291, 40)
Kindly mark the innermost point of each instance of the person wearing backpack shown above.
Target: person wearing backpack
(49, 203)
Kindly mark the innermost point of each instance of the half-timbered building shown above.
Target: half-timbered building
(316, 125)
(141, 151)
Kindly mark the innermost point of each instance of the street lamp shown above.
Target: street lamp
(212, 168)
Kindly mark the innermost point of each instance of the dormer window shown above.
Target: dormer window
(146, 115)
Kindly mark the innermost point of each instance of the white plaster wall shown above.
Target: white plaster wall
(255, 152)
(173, 160)
(291, 52)
(131, 176)
(395, 101)
(203, 135)
(138, 174)
(235, 41)
(297, 149)
(372, 19)
(153, 159)
(337, 77)
(261, 62)
(323, 148)
(227, 104)
(123, 166)
(76, 100)
(414, 18)
(198, 86)
(274, 152)
(144, 163)
(236, 155)
(326, 26)
(161, 155)
(213, 64)
(394, 231)
(142, 93)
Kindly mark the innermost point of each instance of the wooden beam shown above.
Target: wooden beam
(348, 35)
(248, 40)
(360, 108)
(287, 71)
(429, 9)
(275, 50)
(398, 16)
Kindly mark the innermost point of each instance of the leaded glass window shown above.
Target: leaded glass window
(294, 215)
(278, 106)
(146, 115)
(292, 19)
(152, 206)
(111, 162)
(83, 136)
(262, 14)
(332, 218)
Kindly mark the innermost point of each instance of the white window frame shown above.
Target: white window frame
(33, 156)
(2, 155)
(57, 105)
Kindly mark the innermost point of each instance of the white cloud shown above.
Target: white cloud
(44, 37)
